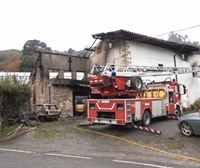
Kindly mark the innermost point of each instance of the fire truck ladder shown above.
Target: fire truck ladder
(130, 70)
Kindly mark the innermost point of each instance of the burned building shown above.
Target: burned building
(58, 79)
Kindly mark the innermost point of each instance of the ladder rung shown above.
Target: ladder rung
(126, 69)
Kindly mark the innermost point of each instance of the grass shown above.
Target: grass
(54, 129)
(44, 133)
(166, 143)
(175, 143)
(48, 129)
(50, 124)
(172, 143)
(7, 129)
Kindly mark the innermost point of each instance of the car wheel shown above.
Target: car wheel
(146, 120)
(186, 129)
(42, 118)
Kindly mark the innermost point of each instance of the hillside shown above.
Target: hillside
(10, 60)
(15, 61)
(7, 53)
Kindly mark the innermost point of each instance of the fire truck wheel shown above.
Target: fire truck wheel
(146, 121)
(178, 112)
(136, 83)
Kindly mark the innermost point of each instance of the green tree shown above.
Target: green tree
(13, 95)
(27, 63)
(29, 56)
(32, 45)
(81, 53)
(71, 51)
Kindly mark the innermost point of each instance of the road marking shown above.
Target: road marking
(16, 150)
(140, 163)
(69, 156)
(49, 154)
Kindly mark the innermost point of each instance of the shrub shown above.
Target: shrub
(196, 105)
(13, 95)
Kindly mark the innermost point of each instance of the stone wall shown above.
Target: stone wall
(62, 96)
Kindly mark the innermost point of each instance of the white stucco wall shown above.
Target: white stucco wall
(195, 88)
(148, 55)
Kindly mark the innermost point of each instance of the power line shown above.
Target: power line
(178, 30)
(157, 36)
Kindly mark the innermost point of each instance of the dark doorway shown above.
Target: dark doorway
(80, 96)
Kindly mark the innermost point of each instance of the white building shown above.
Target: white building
(124, 47)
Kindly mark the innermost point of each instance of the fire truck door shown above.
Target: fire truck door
(171, 103)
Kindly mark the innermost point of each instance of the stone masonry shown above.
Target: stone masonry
(63, 97)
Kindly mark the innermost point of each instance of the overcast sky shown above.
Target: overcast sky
(64, 24)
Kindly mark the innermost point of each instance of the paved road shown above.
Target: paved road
(21, 159)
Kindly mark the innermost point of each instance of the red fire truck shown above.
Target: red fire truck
(119, 96)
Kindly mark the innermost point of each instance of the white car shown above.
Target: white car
(47, 111)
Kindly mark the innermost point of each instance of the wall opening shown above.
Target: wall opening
(67, 75)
